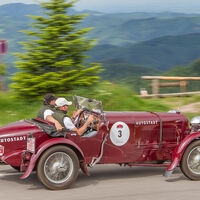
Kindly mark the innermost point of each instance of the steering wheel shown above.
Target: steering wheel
(81, 118)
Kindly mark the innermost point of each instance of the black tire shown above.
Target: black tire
(58, 167)
(16, 168)
(190, 163)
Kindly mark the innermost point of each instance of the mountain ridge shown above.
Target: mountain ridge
(160, 53)
(133, 38)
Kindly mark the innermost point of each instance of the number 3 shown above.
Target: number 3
(120, 133)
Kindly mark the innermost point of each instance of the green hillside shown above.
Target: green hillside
(128, 74)
(160, 53)
(116, 29)
(114, 70)
(180, 47)
(193, 69)
(120, 32)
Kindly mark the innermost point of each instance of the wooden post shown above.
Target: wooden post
(155, 87)
(183, 85)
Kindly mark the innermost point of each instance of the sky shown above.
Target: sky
(110, 6)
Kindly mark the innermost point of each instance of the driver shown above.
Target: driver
(61, 116)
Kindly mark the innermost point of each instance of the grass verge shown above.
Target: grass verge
(113, 97)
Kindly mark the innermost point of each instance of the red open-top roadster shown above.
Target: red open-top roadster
(125, 138)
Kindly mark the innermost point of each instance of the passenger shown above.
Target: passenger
(47, 109)
(61, 116)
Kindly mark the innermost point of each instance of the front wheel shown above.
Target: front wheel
(190, 163)
(16, 168)
(58, 167)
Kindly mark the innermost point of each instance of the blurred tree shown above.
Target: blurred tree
(54, 56)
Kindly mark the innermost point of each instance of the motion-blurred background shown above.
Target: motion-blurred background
(152, 37)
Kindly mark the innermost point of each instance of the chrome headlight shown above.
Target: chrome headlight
(195, 123)
(195, 120)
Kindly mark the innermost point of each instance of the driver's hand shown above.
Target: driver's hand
(79, 111)
(76, 113)
(58, 126)
(90, 119)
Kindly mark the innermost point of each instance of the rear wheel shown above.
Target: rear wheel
(190, 163)
(58, 167)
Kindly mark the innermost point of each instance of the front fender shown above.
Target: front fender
(45, 145)
(13, 158)
(178, 152)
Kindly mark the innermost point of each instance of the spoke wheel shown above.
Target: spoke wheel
(58, 167)
(190, 163)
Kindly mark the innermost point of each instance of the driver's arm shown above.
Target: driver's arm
(69, 125)
(81, 130)
(57, 124)
(48, 116)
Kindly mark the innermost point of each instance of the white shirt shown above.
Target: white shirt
(67, 121)
(47, 113)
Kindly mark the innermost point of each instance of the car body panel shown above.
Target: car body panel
(44, 146)
(131, 138)
(179, 150)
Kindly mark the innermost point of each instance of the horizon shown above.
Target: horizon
(128, 6)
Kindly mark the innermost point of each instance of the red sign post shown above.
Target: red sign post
(3, 50)
(3, 46)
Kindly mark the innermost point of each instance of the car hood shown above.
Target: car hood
(132, 116)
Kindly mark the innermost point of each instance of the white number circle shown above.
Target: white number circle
(119, 133)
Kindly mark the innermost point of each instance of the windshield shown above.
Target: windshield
(90, 104)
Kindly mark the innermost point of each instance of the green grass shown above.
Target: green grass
(175, 103)
(113, 97)
(12, 110)
(120, 98)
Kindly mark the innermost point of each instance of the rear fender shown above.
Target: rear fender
(45, 145)
(179, 150)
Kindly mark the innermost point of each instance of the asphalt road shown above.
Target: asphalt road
(106, 182)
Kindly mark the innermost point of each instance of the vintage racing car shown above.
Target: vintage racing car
(124, 138)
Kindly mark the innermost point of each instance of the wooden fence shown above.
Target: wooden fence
(180, 82)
